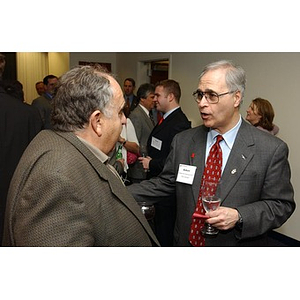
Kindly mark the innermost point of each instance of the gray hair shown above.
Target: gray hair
(235, 75)
(78, 94)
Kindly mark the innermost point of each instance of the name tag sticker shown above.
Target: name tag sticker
(156, 143)
(186, 174)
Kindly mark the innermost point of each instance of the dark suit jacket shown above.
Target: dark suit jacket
(134, 103)
(19, 123)
(256, 181)
(62, 195)
(165, 132)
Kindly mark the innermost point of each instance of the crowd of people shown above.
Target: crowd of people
(100, 150)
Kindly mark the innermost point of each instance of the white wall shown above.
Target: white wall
(274, 76)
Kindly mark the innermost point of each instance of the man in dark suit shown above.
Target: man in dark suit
(19, 123)
(256, 192)
(167, 98)
(63, 192)
(43, 103)
(131, 100)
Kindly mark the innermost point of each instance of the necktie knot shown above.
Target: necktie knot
(219, 138)
(160, 121)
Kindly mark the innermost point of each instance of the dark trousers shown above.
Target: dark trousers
(164, 221)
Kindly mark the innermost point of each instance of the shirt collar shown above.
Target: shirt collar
(144, 109)
(169, 112)
(228, 137)
(98, 153)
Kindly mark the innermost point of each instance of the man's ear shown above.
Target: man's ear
(171, 97)
(237, 99)
(96, 120)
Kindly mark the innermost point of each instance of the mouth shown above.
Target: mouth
(204, 116)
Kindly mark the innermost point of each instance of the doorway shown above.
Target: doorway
(153, 71)
(159, 70)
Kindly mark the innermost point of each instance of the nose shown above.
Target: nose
(123, 119)
(202, 103)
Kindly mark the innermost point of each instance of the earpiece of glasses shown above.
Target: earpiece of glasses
(210, 96)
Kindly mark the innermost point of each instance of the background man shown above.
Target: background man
(141, 120)
(40, 89)
(131, 100)
(19, 124)
(43, 103)
(167, 97)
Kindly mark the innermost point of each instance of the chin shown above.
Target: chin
(206, 123)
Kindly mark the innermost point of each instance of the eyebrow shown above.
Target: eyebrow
(207, 91)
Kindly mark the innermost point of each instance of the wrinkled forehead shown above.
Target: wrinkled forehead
(213, 78)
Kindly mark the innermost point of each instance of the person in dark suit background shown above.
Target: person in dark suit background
(19, 124)
(167, 98)
(43, 103)
(131, 100)
(64, 192)
(257, 194)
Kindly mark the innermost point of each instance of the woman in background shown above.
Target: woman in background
(261, 114)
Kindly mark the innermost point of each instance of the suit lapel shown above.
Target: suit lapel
(146, 117)
(197, 158)
(164, 124)
(240, 156)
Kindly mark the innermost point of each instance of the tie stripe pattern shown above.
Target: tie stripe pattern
(212, 172)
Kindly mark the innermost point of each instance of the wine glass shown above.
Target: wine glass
(143, 150)
(148, 210)
(210, 202)
(144, 153)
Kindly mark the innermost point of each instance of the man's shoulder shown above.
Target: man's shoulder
(39, 100)
(261, 138)
(190, 132)
(17, 106)
(138, 112)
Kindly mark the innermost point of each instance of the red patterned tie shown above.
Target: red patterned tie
(212, 172)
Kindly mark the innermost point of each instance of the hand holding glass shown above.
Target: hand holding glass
(210, 202)
(144, 153)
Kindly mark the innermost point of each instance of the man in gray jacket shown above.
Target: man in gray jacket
(256, 192)
(63, 192)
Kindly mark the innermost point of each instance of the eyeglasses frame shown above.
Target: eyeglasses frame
(197, 92)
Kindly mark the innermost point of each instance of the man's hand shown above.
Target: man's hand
(223, 218)
(145, 162)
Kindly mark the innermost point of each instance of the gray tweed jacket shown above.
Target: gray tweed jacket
(62, 195)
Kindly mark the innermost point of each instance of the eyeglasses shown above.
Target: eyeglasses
(210, 96)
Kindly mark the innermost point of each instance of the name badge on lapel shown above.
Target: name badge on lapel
(156, 143)
(186, 174)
